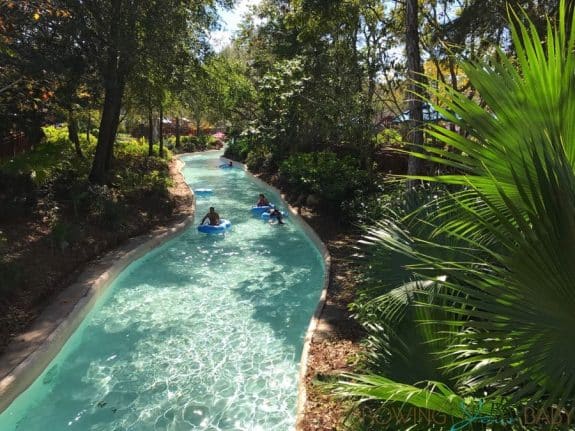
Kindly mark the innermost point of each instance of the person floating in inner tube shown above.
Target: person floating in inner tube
(230, 164)
(213, 216)
(263, 202)
(275, 213)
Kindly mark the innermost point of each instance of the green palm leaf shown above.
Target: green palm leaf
(504, 243)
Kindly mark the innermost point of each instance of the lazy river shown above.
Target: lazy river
(203, 333)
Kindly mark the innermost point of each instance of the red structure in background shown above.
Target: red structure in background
(169, 129)
(13, 144)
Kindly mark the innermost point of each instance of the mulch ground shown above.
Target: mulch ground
(336, 343)
(42, 268)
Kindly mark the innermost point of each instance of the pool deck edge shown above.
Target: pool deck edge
(302, 394)
(30, 353)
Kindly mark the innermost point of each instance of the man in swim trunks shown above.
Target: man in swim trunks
(213, 216)
(263, 202)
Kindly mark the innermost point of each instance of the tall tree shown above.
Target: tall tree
(120, 36)
(416, 82)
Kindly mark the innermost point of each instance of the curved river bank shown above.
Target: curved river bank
(204, 333)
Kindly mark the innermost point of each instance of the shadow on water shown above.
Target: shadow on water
(283, 298)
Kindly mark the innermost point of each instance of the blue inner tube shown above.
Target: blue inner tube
(224, 226)
(225, 166)
(203, 192)
(266, 215)
(260, 210)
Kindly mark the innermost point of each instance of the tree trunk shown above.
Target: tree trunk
(34, 132)
(178, 132)
(150, 133)
(161, 130)
(114, 128)
(107, 133)
(198, 126)
(88, 128)
(114, 77)
(415, 91)
(73, 132)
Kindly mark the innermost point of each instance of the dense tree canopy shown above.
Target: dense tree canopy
(70, 47)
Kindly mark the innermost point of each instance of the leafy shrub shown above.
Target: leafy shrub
(368, 204)
(156, 181)
(45, 158)
(391, 199)
(207, 142)
(130, 146)
(389, 138)
(190, 144)
(170, 142)
(48, 159)
(141, 173)
(237, 149)
(70, 185)
(17, 194)
(260, 160)
(56, 134)
(105, 208)
(333, 178)
(11, 277)
(63, 234)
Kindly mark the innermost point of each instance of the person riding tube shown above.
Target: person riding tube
(262, 201)
(212, 216)
(275, 213)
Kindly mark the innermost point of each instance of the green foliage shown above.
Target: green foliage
(315, 88)
(11, 277)
(138, 175)
(190, 144)
(389, 137)
(47, 158)
(260, 160)
(105, 207)
(206, 142)
(238, 149)
(230, 94)
(485, 275)
(128, 146)
(370, 202)
(331, 177)
(54, 167)
(17, 194)
(63, 234)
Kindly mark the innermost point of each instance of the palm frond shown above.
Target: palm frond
(502, 241)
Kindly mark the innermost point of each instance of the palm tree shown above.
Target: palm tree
(488, 279)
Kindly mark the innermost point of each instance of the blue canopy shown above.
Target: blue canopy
(429, 115)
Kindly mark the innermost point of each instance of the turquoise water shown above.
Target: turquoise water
(204, 333)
